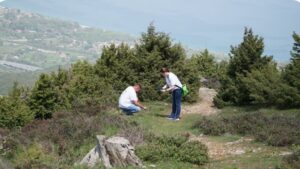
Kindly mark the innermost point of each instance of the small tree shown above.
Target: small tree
(44, 99)
(247, 55)
(205, 63)
(247, 65)
(86, 87)
(291, 77)
(292, 71)
(14, 110)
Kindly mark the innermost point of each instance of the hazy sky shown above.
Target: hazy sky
(212, 24)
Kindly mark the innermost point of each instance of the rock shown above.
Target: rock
(112, 152)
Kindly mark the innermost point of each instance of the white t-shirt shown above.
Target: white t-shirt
(172, 80)
(127, 96)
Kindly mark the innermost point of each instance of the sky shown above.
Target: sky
(198, 24)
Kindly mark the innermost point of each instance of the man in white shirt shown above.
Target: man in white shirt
(174, 85)
(129, 101)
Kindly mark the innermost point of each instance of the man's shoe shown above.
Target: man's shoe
(175, 119)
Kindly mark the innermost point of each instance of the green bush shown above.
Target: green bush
(14, 110)
(160, 148)
(44, 99)
(193, 152)
(14, 113)
(276, 130)
(34, 157)
(211, 126)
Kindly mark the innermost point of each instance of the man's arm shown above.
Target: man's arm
(137, 103)
(164, 87)
(170, 88)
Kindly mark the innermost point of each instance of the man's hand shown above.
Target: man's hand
(163, 90)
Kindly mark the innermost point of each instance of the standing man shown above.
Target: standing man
(129, 102)
(174, 85)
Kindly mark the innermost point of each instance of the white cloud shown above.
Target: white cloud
(1, 1)
(298, 1)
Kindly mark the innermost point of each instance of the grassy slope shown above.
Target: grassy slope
(154, 120)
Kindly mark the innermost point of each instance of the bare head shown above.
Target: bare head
(137, 87)
(164, 71)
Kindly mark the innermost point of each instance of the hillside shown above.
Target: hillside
(41, 41)
(212, 24)
(28, 39)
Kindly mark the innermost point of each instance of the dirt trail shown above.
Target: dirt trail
(220, 150)
(205, 107)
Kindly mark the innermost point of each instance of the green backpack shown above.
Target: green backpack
(184, 90)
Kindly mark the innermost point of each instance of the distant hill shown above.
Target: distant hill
(211, 24)
(35, 41)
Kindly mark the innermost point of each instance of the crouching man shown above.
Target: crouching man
(129, 102)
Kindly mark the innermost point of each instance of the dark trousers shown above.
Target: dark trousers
(176, 103)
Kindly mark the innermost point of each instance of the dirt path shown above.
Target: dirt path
(205, 107)
(218, 150)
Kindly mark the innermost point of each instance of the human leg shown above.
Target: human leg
(173, 106)
(177, 96)
(131, 109)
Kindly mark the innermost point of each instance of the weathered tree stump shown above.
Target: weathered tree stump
(112, 152)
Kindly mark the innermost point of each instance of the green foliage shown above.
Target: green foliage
(205, 63)
(44, 99)
(291, 75)
(247, 55)
(86, 87)
(34, 157)
(121, 66)
(211, 126)
(68, 136)
(287, 96)
(14, 110)
(193, 152)
(116, 66)
(161, 148)
(276, 130)
(262, 85)
(251, 76)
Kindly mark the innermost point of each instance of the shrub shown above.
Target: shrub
(292, 161)
(160, 148)
(193, 152)
(211, 126)
(65, 133)
(14, 113)
(44, 99)
(34, 157)
(276, 130)
(14, 110)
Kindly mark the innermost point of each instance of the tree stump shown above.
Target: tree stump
(112, 152)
